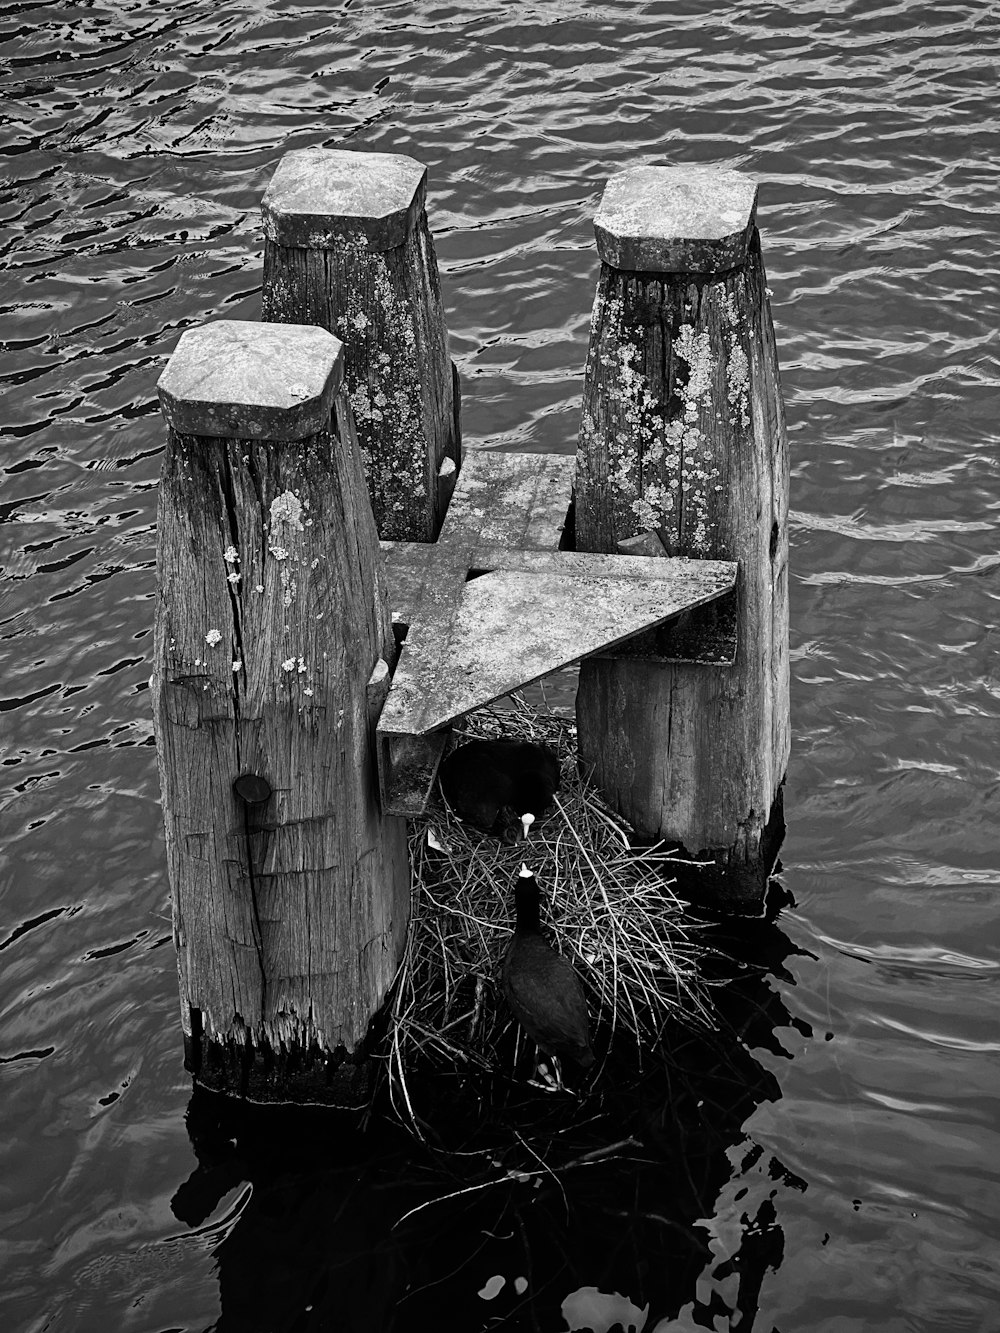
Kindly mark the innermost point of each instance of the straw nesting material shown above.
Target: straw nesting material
(607, 907)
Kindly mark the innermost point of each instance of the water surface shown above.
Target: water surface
(852, 1182)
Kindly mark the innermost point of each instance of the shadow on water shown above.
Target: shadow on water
(516, 1198)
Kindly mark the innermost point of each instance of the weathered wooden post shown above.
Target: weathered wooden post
(683, 450)
(290, 889)
(347, 247)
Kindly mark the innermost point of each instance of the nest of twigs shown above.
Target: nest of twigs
(608, 906)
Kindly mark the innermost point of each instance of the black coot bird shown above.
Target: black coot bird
(484, 780)
(540, 986)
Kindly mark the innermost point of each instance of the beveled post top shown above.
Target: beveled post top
(319, 196)
(243, 380)
(676, 219)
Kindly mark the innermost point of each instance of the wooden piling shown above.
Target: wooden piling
(290, 890)
(683, 436)
(347, 247)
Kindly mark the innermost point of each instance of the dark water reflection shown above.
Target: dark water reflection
(517, 1199)
(137, 141)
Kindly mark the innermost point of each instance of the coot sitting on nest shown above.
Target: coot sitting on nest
(484, 780)
(540, 986)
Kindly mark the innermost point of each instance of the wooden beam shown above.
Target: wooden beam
(415, 571)
(517, 500)
(500, 498)
(507, 628)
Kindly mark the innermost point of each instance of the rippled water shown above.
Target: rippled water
(859, 1192)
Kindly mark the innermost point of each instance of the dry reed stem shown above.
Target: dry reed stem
(609, 908)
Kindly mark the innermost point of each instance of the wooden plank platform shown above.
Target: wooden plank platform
(419, 569)
(507, 628)
(495, 604)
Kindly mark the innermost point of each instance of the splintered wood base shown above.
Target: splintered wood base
(286, 1075)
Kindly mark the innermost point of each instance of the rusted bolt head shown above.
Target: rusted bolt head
(252, 788)
(676, 220)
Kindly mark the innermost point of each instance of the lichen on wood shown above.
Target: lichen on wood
(646, 461)
(271, 616)
(377, 287)
(682, 434)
